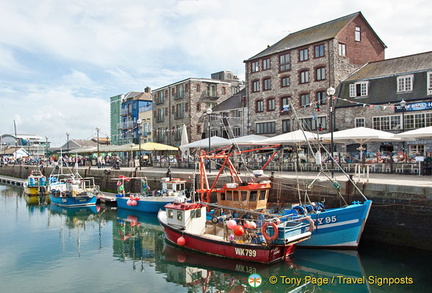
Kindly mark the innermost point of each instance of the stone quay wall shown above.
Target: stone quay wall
(400, 214)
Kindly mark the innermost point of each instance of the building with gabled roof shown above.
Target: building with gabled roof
(393, 95)
(298, 69)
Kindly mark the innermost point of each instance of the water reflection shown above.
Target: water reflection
(45, 244)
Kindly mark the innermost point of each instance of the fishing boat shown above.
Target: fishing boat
(255, 237)
(337, 228)
(36, 184)
(146, 200)
(72, 190)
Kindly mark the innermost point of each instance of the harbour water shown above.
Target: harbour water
(45, 248)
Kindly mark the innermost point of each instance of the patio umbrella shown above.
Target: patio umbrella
(154, 146)
(295, 137)
(184, 141)
(248, 139)
(423, 132)
(215, 141)
(360, 135)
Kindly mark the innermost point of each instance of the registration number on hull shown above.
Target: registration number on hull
(246, 252)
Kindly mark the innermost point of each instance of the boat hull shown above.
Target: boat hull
(36, 190)
(339, 228)
(145, 204)
(73, 201)
(245, 252)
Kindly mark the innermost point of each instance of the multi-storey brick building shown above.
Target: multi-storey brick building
(185, 102)
(300, 68)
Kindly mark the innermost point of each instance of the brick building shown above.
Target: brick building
(185, 102)
(300, 67)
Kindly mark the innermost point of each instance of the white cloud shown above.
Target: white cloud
(62, 60)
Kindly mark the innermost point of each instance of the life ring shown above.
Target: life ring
(311, 223)
(264, 231)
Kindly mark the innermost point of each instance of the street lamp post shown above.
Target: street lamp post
(46, 146)
(330, 92)
(403, 108)
(139, 122)
(67, 141)
(97, 136)
(209, 111)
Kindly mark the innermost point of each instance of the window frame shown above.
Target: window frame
(255, 86)
(254, 66)
(284, 64)
(284, 84)
(259, 106)
(342, 49)
(402, 85)
(303, 55)
(357, 34)
(320, 49)
(359, 89)
(304, 76)
(266, 84)
(302, 102)
(320, 73)
(271, 104)
(266, 64)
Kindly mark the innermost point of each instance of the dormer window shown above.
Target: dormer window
(358, 89)
(429, 84)
(405, 83)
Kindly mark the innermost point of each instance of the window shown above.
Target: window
(198, 106)
(284, 62)
(429, 84)
(358, 89)
(284, 105)
(236, 113)
(266, 64)
(319, 51)
(198, 87)
(265, 127)
(286, 125)
(320, 73)
(304, 54)
(180, 91)
(314, 123)
(255, 66)
(304, 100)
(236, 131)
(416, 149)
(170, 214)
(180, 215)
(359, 122)
(267, 84)
(271, 104)
(160, 97)
(304, 76)
(357, 34)
(342, 49)
(417, 120)
(223, 90)
(160, 115)
(259, 106)
(255, 86)
(211, 90)
(405, 83)
(321, 97)
(390, 122)
(285, 81)
(179, 111)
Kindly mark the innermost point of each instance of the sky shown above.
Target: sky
(61, 61)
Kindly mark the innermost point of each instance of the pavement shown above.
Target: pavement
(376, 178)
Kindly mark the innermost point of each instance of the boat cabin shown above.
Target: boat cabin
(190, 217)
(250, 196)
(173, 187)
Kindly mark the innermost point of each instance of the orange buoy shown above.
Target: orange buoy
(181, 241)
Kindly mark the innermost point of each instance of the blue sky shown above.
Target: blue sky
(60, 61)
